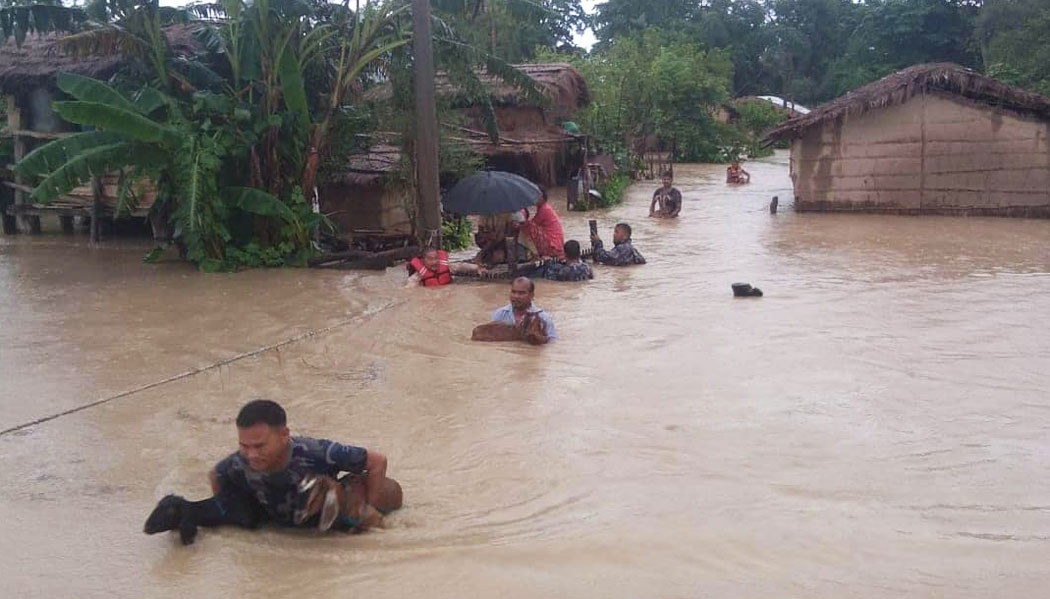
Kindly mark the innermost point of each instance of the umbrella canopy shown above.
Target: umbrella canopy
(491, 192)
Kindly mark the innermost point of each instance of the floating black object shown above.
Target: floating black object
(746, 290)
(773, 205)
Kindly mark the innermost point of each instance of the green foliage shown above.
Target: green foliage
(656, 87)
(456, 233)
(612, 190)
(809, 50)
(512, 30)
(755, 118)
(1014, 40)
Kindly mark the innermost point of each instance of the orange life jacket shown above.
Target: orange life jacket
(429, 278)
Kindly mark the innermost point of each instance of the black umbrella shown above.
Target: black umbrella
(491, 192)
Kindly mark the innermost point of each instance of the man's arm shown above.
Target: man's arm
(678, 203)
(615, 257)
(652, 205)
(746, 174)
(464, 268)
(375, 464)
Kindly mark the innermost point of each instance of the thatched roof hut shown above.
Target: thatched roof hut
(933, 138)
(532, 141)
(28, 74)
(41, 58)
(903, 85)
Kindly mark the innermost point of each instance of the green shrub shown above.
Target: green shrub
(456, 234)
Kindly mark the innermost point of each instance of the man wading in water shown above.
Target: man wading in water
(265, 480)
(623, 252)
(668, 198)
(519, 320)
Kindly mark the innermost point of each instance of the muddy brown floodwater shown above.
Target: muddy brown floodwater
(878, 425)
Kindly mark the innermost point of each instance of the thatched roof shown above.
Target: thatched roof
(560, 82)
(40, 58)
(369, 167)
(902, 85)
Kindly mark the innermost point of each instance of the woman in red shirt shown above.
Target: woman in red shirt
(544, 229)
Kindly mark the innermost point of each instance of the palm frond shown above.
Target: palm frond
(87, 89)
(94, 162)
(19, 21)
(129, 123)
(54, 154)
(257, 201)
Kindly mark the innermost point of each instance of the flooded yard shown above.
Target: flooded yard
(877, 425)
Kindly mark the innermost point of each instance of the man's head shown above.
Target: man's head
(262, 432)
(522, 290)
(572, 250)
(735, 164)
(430, 259)
(622, 233)
(667, 178)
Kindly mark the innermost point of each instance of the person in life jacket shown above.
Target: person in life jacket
(432, 269)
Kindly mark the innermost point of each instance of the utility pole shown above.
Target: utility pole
(427, 191)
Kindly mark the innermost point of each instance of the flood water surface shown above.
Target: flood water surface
(876, 425)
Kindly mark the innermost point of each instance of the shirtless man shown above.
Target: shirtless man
(667, 198)
(736, 174)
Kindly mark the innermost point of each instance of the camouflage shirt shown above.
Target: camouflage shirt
(276, 491)
(622, 254)
(559, 271)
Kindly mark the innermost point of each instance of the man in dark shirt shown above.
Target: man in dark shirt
(623, 252)
(572, 269)
(260, 482)
(271, 463)
(667, 198)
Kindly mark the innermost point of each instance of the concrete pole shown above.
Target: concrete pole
(427, 190)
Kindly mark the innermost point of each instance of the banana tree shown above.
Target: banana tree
(148, 135)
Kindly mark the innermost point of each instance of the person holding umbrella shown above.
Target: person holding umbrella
(500, 193)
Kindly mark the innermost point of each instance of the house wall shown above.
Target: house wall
(365, 207)
(933, 154)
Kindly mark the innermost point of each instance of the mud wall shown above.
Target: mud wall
(365, 207)
(933, 154)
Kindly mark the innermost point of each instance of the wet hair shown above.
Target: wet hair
(262, 411)
(572, 249)
(626, 227)
(422, 254)
(667, 175)
(532, 284)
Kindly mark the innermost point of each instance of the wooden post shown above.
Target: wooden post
(96, 210)
(23, 222)
(427, 188)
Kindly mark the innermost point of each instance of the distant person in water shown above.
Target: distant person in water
(432, 269)
(667, 201)
(265, 480)
(572, 269)
(623, 252)
(736, 174)
(543, 232)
